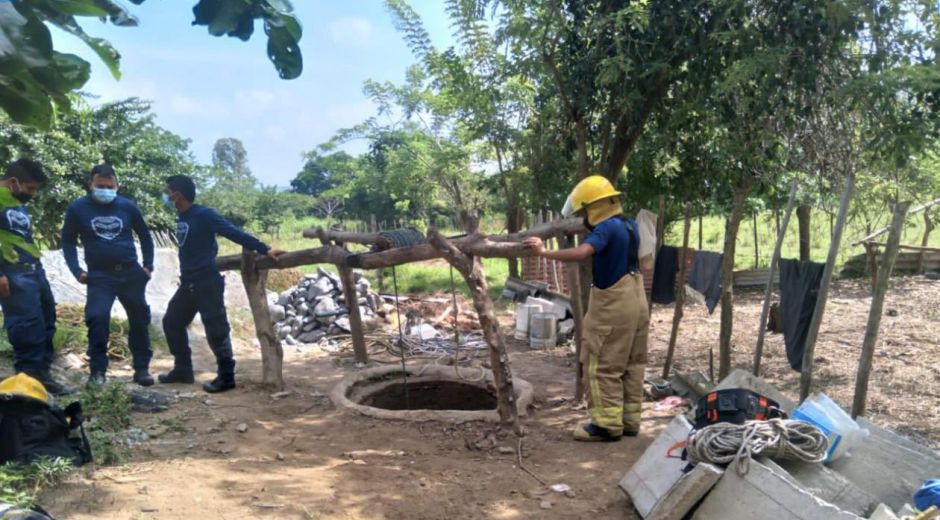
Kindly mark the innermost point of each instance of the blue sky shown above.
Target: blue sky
(205, 88)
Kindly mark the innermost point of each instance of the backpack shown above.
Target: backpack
(31, 429)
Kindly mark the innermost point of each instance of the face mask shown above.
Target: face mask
(20, 195)
(104, 195)
(166, 201)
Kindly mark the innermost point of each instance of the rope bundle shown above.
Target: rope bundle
(724, 443)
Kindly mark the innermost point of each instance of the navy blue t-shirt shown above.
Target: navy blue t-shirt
(196, 230)
(611, 242)
(16, 220)
(106, 232)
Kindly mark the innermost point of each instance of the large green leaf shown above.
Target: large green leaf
(105, 51)
(284, 51)
(25, 100)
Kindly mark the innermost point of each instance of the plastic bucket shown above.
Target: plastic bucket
(523, 311)
(543, 330)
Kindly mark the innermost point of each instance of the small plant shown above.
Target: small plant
(173, 424)
(20, 484)
(106, 449)
(108, 407)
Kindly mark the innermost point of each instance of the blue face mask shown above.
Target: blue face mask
(167, 202)
(104, 195)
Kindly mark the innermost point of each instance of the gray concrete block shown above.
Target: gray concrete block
(687, 492)
(765, 493)
(651, 478)
(744, 379)
(896, 438)
(830, 486)
(885, 468)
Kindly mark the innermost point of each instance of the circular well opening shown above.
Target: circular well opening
(431, 395)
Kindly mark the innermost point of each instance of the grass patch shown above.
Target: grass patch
(108, 408)
(173, 424)
(20, 484)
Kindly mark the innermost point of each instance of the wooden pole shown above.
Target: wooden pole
(574, 289)
(660, 233)
(355, 317)
(769, 290)
(806, 375)
(877, 308)
(871, 257)
(272, 354)
(680, 292)
(756, 244)
(919, 209)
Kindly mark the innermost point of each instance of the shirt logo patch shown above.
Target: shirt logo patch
(182, 231)
(107, 228)
(19, 222)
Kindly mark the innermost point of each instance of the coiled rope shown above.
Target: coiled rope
(726, 443)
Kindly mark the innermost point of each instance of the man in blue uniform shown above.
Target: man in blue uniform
(106, 223)
(202, 288)
(25, 296)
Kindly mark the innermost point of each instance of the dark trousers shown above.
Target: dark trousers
(29, 321)
(129, 286)
(207, 297)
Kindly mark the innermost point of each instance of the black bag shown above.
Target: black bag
(735, 405)
(31, 429)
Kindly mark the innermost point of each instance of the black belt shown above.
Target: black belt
(126, 266)
(21, 268)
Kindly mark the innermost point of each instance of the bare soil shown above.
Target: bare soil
(300, 458)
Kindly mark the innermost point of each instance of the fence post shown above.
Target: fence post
(680, 292)
(272, 354)
(877, 307)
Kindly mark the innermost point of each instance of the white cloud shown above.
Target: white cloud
(351, 30)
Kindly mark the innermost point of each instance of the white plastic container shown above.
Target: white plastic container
(543, 330)
(843, 432)
(523, 312)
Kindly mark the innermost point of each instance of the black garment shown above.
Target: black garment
(706, 277)
(664, 275)
(799, 287)
(207, 297)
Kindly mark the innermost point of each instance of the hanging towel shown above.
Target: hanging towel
(706, 277)
(799, 287)
(664, 275)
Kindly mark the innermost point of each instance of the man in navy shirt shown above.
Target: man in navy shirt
(202, 288)
(25, 296)
(616, 327)
(106, 222)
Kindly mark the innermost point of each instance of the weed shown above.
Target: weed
(173, 424)
(108, 407)
(21, 483)
(106, 447)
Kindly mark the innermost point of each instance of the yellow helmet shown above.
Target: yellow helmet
(24, 386)
(589, 190)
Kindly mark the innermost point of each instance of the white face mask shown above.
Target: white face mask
(568, 209)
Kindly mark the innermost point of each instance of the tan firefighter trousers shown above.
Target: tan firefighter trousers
(613, 354)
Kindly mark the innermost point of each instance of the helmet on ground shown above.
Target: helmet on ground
(589, 190)
(23, 385)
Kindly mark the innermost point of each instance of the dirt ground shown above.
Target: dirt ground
(301, 458)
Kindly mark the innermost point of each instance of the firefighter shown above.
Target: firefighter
(616, 326)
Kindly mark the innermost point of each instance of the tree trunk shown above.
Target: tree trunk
(680, 293)
(355, 318)
(471, 268)
(727, 276)
(577, 309)
(877, 307)
(272, 354)
(756, 244)
(928, 227)
(803, 216)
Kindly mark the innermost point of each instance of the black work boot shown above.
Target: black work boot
(96, 379)
(143, 377)
(177, 376)
(52, 386)
(219, 384)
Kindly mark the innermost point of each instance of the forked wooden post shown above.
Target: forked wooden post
(806, 374)
(272, 354)
(680, 292)
(471, 268)
(769, 290)
(574, 288)
(877, 307)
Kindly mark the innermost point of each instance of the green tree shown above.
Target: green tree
(35, 79)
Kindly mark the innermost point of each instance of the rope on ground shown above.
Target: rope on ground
(726, 443)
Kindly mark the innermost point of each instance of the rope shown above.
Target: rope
(401, 339)
(726, 443)
(482, 375)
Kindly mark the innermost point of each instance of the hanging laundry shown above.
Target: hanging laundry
(799, 287)
(706, 277)
(664, 275)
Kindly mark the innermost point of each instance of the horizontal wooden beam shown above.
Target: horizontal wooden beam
(478, 244)
(911, 248)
